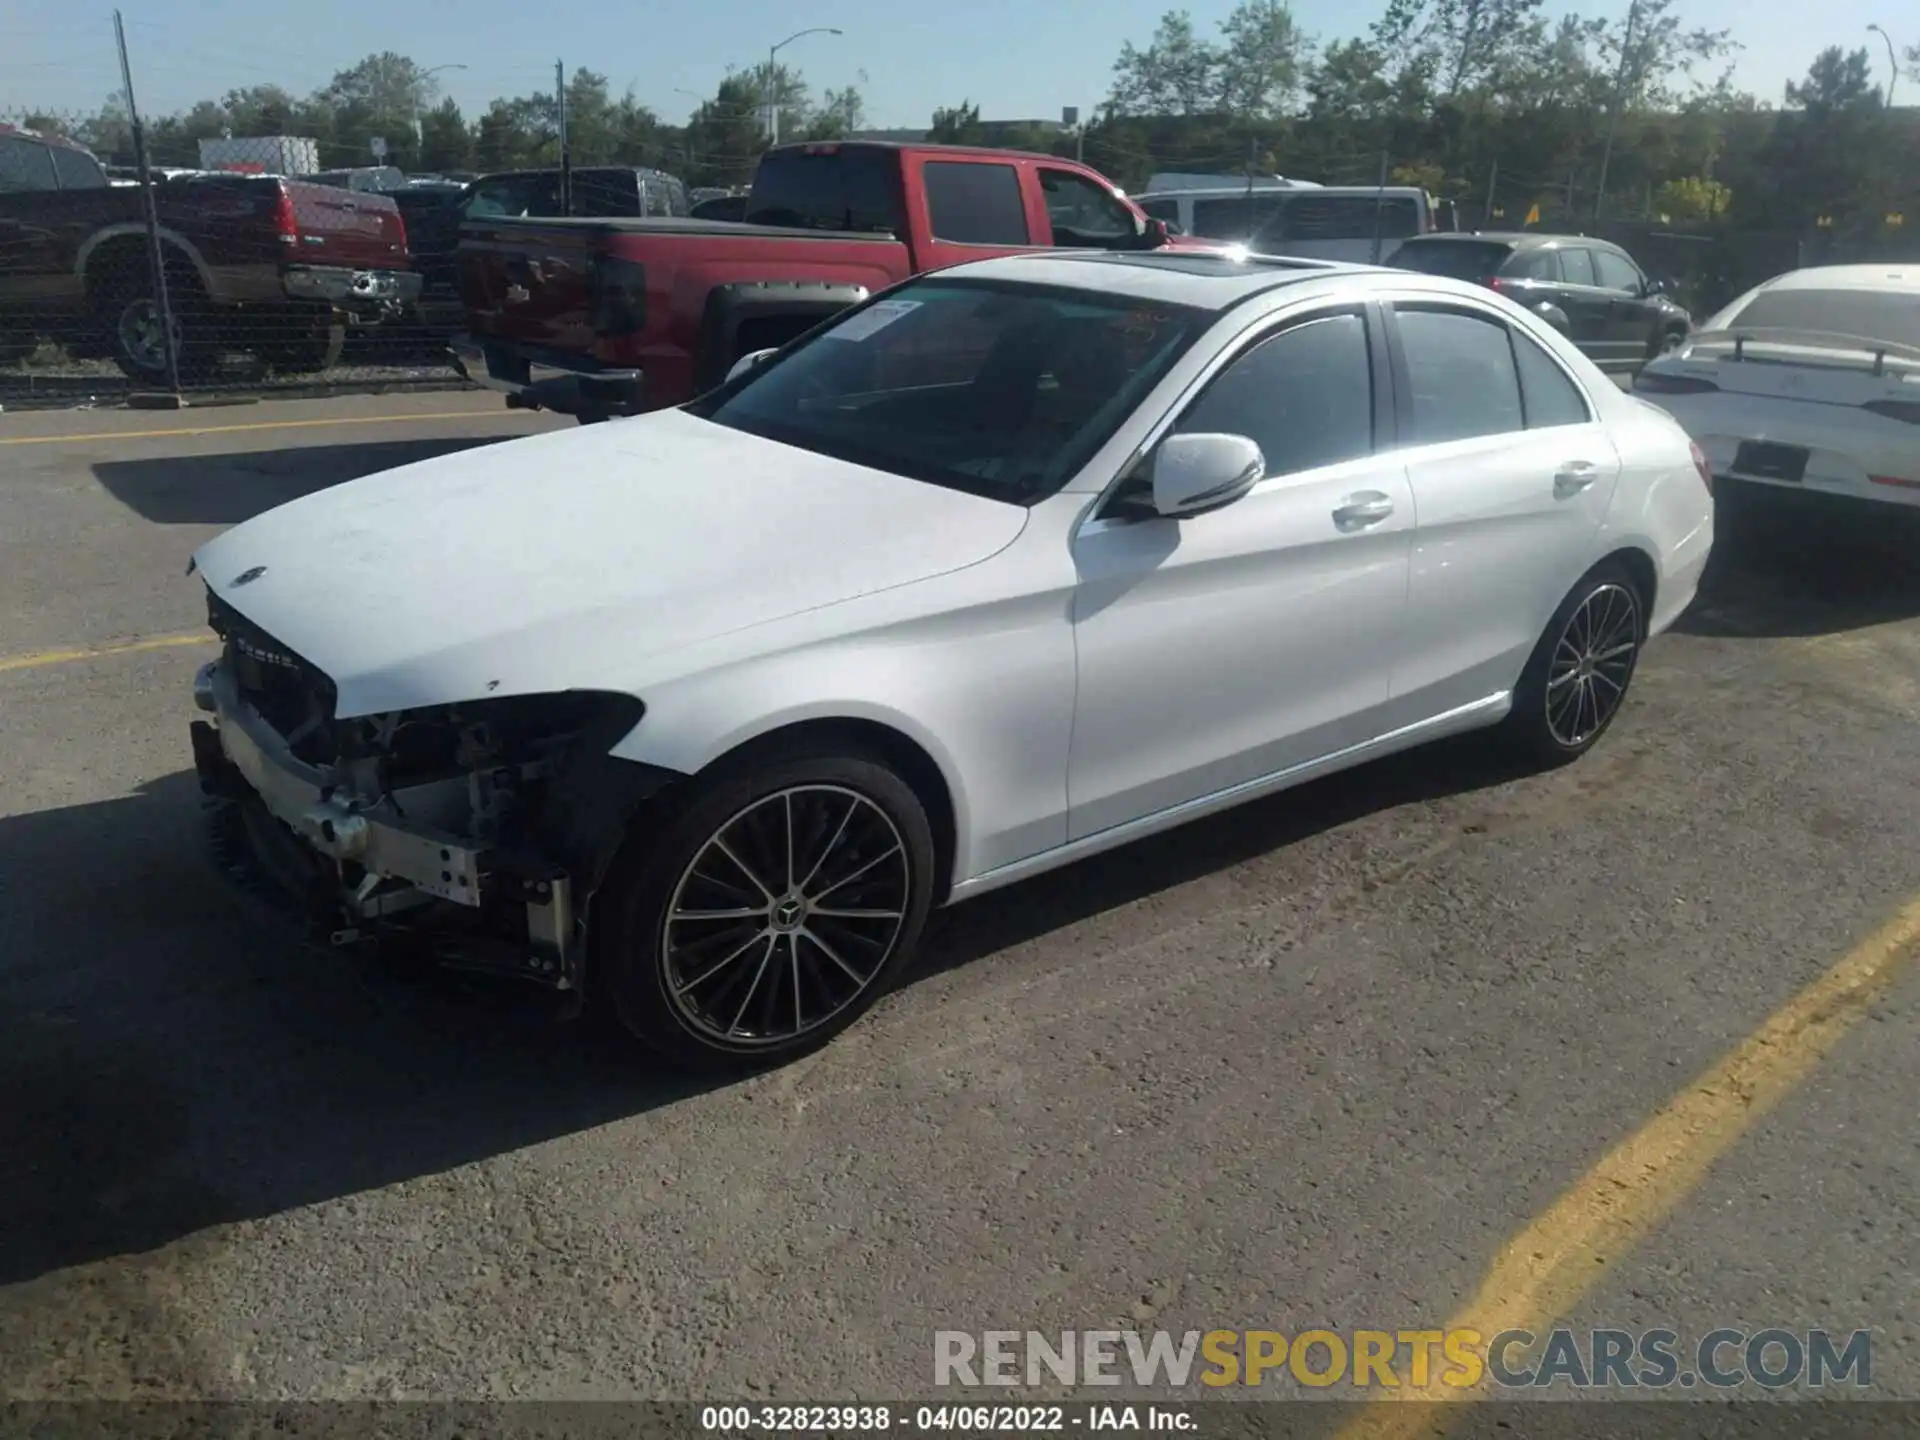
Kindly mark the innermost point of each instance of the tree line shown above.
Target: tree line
(1489, 103)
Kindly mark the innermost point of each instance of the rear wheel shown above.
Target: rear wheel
(774, 909)
(1577, 677)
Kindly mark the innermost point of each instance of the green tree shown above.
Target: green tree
(445, 141)
(957, 126)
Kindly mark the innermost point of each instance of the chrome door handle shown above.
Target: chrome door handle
(1369, 507)
(1573, 477)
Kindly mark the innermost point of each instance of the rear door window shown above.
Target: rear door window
(1461, 371)
(972, 203)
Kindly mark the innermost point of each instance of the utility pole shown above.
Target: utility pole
(1379, 208)
(1493, 181)
(1613, 118)
(566, 154)
(169, 337)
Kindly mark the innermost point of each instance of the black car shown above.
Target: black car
(1590, 290)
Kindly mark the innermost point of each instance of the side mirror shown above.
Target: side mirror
(751, 361)
(1659, 287)
(1154, 233)
(1196, 473)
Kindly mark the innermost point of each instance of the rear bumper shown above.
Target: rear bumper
(360, 291)
(1851, 455)
(542, 380)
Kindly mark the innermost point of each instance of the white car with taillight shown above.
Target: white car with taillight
(1810, 382)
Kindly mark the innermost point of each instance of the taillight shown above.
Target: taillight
(1700, 465)
(399, 246)
(619, 296)
(1493, 282)
(1655, 382)
(284, 219)
(1905, 410)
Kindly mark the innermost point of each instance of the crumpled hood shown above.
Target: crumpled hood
(558, 561)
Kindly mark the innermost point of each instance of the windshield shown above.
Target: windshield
(1455, 259)
(999, 390)
(1888, 315)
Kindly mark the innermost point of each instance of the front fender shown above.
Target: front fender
(988, 698)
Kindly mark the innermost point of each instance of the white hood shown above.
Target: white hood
(554, 562)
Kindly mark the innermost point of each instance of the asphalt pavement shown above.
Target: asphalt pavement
(1354, 1056)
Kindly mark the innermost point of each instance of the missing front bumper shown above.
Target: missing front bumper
(383, 866)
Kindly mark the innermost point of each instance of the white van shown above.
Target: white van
(1361, 224)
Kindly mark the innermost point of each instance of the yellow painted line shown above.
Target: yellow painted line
(66, 657)
(1544, 1271)
(259, 425)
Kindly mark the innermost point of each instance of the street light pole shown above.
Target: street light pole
(420, 135)
(1893, 62)
(773, 109)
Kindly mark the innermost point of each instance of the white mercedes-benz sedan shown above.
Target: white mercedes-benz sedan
(697, 715)
(1809, 382)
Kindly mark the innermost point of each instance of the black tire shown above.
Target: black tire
(1666, 341)
(301, 342)
(666, 988)
(1576, 681)
(128, 314)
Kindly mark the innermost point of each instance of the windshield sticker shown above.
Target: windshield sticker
(873, 319)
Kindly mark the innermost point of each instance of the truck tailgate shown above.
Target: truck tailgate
(531, 283)
(346, 227)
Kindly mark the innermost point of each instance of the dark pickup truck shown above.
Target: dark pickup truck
(255, 263)
(596, 317)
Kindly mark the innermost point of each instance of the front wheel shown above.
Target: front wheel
(774, 908)
(1578, 675)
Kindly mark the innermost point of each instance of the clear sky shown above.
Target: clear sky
(1015, 58)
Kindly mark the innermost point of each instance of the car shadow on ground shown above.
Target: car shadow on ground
(226, 489)
(177, 1059)
(1787, 564)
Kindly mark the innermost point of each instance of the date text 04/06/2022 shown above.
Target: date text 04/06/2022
(844, 1419)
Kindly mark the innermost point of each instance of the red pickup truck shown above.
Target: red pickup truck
(601, 317)
(253, 262)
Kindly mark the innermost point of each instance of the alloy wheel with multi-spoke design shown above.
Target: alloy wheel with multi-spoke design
(1592, 662)
(785, 916)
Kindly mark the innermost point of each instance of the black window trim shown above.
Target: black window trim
(1108, 507)
(1020, 185)
(1403, 379)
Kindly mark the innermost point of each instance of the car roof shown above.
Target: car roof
(1199, 279)
(1848, 277)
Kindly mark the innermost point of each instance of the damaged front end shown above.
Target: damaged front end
(481, 828)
